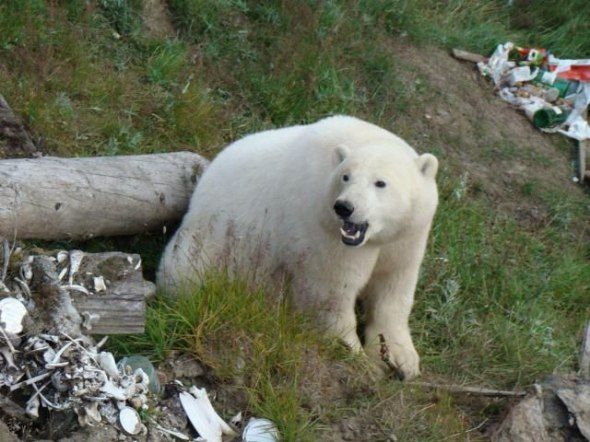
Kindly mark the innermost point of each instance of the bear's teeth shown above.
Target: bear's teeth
(347, 235)
(357, 235)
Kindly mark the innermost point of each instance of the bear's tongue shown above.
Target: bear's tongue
(353, 234)
(350, 228)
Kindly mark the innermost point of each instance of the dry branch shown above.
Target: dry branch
(80, 198)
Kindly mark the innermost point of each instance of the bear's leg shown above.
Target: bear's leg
(332, 312)
(340, 320)
(388, 300)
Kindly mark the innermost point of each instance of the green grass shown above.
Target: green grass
(499, 303)
(247, 338)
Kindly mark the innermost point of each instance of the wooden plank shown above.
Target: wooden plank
(121, 308)
(76, 303)
(116, 315)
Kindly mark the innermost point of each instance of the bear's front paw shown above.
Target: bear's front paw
(403, 359)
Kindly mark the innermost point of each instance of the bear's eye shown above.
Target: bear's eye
(380, 183)
(345, 177)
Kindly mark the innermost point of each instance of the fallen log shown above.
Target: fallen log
(80, 198)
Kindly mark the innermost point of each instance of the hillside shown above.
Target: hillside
(504, 290)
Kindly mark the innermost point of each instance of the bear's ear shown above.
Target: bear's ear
(340, 153)
(427, 164)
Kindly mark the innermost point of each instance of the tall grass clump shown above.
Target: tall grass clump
(244, 335)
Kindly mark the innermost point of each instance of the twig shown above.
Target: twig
(463, 389)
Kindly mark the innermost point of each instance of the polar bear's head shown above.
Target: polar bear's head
(380, 190)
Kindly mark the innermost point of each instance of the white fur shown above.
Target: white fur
(267, 201)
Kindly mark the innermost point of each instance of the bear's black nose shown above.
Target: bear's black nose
(343, 209)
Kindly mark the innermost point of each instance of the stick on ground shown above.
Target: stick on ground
(463, 389)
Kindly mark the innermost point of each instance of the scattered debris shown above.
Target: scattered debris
(553, 93)
(50, 367)
(46, 360)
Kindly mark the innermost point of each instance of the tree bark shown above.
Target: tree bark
(80, 198)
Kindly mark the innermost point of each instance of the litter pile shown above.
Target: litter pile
(49, 365)
(53, 365)
(553, 93)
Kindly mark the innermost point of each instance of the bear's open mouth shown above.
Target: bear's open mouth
(353, 234)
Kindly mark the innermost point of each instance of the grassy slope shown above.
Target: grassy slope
(499, 303)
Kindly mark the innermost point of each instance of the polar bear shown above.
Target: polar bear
(341, 206)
